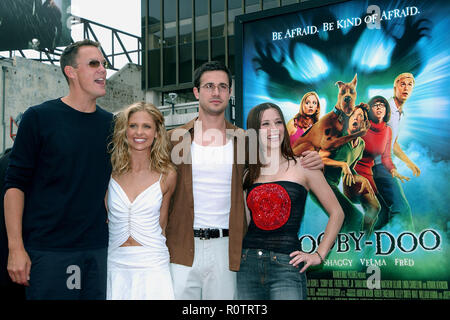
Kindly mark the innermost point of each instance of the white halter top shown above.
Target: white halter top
(138, 219)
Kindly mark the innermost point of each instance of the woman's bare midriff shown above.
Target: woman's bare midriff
(130, 243)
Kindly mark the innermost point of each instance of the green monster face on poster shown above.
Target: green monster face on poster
(384, 63)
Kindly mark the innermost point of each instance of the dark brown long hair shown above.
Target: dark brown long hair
(253, 170)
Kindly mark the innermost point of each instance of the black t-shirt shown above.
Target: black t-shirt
(4, 277)
(60, 161)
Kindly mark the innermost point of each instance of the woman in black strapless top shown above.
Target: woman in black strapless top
(272, 267)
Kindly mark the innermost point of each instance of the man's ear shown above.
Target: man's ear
(196, 92)
(70, 72)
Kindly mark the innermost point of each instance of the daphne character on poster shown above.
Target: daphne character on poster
(307, 115)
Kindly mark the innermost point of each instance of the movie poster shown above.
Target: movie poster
(34, 24)
(288, 55)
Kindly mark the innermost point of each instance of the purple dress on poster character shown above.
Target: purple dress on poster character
(298, 133)
(307, 115)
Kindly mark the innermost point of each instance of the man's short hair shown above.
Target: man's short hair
(69, 54)
(404, 75)
(211, 66)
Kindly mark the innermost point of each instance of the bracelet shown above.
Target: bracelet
(321, 259)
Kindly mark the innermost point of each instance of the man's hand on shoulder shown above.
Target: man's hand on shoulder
(311, 160)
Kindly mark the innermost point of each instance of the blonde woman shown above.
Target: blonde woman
(307, 115)
(142, 182)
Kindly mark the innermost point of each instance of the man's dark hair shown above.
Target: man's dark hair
(69, 54)
(211, 66)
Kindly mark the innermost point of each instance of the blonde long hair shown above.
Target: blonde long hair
(118, 147)
(301, 118)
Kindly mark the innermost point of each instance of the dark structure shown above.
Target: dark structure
(180, 35)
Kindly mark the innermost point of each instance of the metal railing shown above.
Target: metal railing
(118, 48)
(180, 114)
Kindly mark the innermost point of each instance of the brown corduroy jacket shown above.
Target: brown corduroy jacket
(179, 230)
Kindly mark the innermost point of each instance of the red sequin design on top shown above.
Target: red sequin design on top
(270, 205)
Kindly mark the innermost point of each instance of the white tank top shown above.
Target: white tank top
(211, 181)
(138, 219)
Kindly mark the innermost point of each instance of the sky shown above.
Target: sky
(124, 15)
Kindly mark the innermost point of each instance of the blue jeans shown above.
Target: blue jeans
(267, 275)
(390, 189)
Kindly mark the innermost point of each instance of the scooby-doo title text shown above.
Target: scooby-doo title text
(373, 19)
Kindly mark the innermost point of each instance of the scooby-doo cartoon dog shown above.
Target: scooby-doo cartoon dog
(326, 134)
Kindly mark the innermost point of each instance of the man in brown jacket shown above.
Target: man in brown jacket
(206, 217)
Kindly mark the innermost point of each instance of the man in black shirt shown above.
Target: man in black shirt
(55, 186)
(13, 291)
